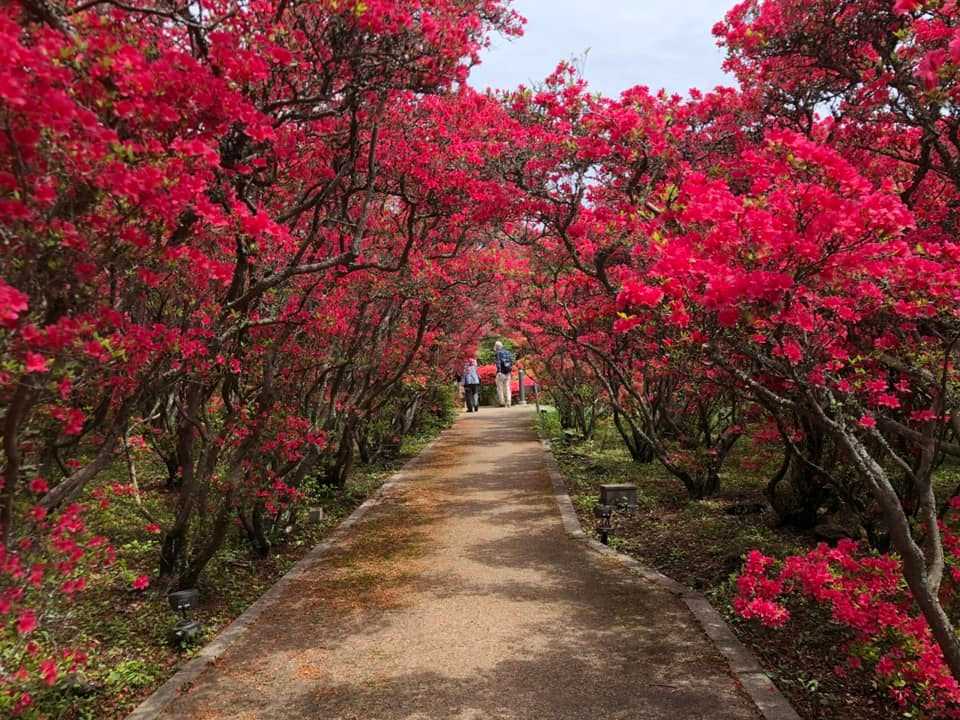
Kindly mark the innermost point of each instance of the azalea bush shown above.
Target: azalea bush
(42, 574)
(865, 594)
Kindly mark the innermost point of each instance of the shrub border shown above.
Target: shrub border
(743, 664)
(158, 701)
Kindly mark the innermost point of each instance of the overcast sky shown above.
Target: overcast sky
(658, 43)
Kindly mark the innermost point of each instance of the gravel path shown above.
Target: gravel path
(460, 597)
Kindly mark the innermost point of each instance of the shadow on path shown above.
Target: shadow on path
(461, 597)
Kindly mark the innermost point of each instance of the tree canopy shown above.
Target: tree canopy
(253, 238)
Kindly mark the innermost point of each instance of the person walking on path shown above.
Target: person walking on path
(471, 385)
(504, 362)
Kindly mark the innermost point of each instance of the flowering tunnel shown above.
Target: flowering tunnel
(243, 245)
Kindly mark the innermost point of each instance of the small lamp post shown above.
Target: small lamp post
(184, 602)
(523, 390)
(604, 515)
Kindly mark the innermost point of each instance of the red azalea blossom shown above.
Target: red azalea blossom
(36, 363)
(49, 672)
(142, 582)
(26, 622)
(12, 304)
(38, 485)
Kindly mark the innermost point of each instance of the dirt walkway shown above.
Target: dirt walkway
(461, 597)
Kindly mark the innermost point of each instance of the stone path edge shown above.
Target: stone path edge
(157, 702)
(743, 664)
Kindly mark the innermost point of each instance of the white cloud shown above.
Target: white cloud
(659, 43)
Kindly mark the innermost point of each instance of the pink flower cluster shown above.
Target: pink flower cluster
(34, 573)
(865, 594)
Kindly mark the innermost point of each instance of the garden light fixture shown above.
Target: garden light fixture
(184, 602)
(604, 515)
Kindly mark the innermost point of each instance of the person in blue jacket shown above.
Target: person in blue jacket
(471, 385)
(503, 359)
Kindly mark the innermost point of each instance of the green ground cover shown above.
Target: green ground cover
(701, 544)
